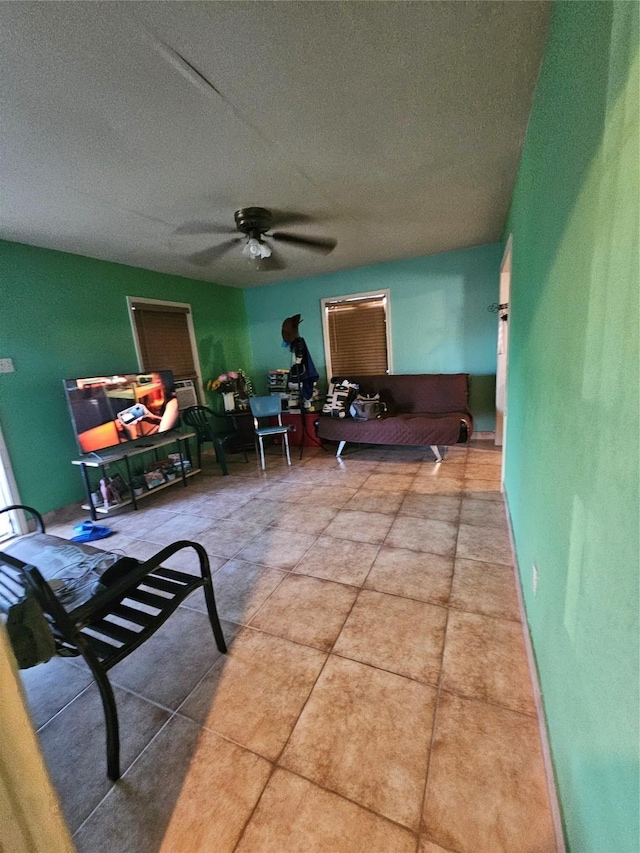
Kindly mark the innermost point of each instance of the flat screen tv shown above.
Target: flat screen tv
(110, 410)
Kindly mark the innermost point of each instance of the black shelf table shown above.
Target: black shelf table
(124, 453)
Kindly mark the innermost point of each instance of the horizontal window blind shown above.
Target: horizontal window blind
(358, 336)
(163, 337)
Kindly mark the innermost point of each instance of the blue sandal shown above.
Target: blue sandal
(89, 532)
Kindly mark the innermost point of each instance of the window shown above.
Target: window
(164, 337)
(356, 334)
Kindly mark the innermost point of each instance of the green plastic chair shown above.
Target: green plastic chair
(202, 419)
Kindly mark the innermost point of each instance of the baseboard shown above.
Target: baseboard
(487, 435)
(537, 695)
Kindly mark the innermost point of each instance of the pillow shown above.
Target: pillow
(339, 398)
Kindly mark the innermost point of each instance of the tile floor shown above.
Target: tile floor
(376, 695)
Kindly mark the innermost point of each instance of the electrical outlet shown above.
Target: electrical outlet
(535, 579)
(6, 365)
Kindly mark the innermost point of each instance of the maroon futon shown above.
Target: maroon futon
(424, 409)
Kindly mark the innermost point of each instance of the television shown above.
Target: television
(107, 411)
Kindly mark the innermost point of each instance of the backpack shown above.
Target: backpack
(367, 408)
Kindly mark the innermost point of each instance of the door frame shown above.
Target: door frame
(9, 493)
(502, 354)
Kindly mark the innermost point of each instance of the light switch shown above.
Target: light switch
(6, 365)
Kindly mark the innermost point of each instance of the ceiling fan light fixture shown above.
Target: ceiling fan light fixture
(256, 249)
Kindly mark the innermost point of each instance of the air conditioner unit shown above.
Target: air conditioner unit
(186, 394)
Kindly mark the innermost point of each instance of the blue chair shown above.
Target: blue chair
(268, 407)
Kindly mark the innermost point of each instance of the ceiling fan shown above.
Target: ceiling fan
(255, 223)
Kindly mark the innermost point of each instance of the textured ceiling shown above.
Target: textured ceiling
(395, 127)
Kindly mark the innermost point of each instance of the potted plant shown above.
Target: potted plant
(233, 385)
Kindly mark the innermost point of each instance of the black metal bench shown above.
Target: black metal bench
(114, 621)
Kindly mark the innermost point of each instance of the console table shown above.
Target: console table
(125, 453)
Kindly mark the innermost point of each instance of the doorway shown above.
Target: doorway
(503, 346)
(10, 522)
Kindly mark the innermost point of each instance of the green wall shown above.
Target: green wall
(64, 316)
(439, 317)
(572, 442)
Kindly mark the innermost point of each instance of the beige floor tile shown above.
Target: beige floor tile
(280, 549)
(185, 560)
(360, 526)
(432, 486)
(483, 451)
(167, 667)
(178, 500)
(134, 523)
(306, 610)
(241, 588)
(397, 634)
(295, 816)
(389, 467)
(52, 685)
(441, 471)
(369, 500)
(486, 791)
(482, 490)
(403, 453)
(120, 543)
(485, 658)
(74, 748)
(334, 496)
(338, 476)
(365, 734)
(305, 519)
(486, 588)
(426, 846)
(423, 534)
(179, 527)
(339, 560)
(191, 791)
(260, 511)
(487, 544)
(398, 483)
(287, 492)
(227, 536)
(255, 695)
(436, 507)
(483, 471)
(412, 574)
(483, 513)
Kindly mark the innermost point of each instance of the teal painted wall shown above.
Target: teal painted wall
(572, 443)
(64, 316)
(439, 317)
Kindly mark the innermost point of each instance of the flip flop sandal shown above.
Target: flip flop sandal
(89, 532)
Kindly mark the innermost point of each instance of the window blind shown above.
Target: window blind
(358, 336)
(163, 337)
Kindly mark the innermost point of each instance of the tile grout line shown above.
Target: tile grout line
(276, 762)
(438, 690)
(281, 478)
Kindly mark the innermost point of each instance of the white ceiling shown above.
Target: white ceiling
(396, 127)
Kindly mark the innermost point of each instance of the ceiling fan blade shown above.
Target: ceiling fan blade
(322, 245)
(205, 257)
(289, 217)
(273, 262)
(204, 228)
